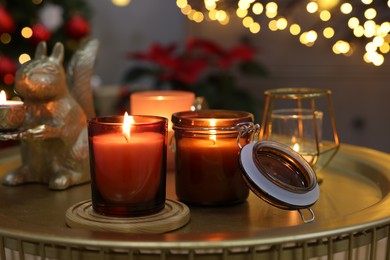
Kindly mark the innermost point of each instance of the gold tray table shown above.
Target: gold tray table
(352, 219)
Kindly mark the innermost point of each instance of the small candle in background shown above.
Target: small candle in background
(162, 103)
(309, 154)
(12, 113)
(128, 164)
(295, 128)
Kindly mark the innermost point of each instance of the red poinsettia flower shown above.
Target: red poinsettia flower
(158, 54)
(242, 53)
(173, 66)
(189, 66)
(206, 46)
(189, 71)
(237, 54)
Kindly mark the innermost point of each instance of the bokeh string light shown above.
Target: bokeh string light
(348, 25)
(121, 3)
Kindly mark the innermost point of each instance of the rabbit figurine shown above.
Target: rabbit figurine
(54, 140)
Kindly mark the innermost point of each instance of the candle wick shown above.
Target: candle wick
(127, 140)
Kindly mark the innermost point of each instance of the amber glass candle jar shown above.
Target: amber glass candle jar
(207, 170)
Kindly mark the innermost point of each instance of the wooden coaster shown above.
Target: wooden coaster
(174, 215)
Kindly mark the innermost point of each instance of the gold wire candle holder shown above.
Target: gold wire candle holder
(299, 118)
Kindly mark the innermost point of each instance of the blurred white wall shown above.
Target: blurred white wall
(122, 30)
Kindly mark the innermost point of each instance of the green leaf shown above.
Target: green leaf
(252, 68)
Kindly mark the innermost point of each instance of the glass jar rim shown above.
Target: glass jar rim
(210, 119)
(118, 120)
(296, 113)
(163, 94)
(297, 93)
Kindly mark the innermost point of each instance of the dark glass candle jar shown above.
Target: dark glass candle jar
(128, 165)
(207, 170)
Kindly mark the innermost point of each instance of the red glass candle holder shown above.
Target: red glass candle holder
(128, 173)
(207, 170)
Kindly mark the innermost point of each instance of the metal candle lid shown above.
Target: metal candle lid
(280, 176)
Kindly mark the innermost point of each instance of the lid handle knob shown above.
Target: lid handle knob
(247, 128)
(303, 216)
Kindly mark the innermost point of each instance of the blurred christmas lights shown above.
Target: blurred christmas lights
(347, 24)
(23, 24)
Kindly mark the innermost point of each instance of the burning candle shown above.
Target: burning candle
(12, 113)
(162, 103)
(207, 170)
(299, 129)
(128, 164)
(309, 155)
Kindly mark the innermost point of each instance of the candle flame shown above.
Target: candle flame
(296, 147)
(127, 122)
(3, 97)
(213, 136)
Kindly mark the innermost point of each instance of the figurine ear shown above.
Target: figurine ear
(58, 53)
(40, 52)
